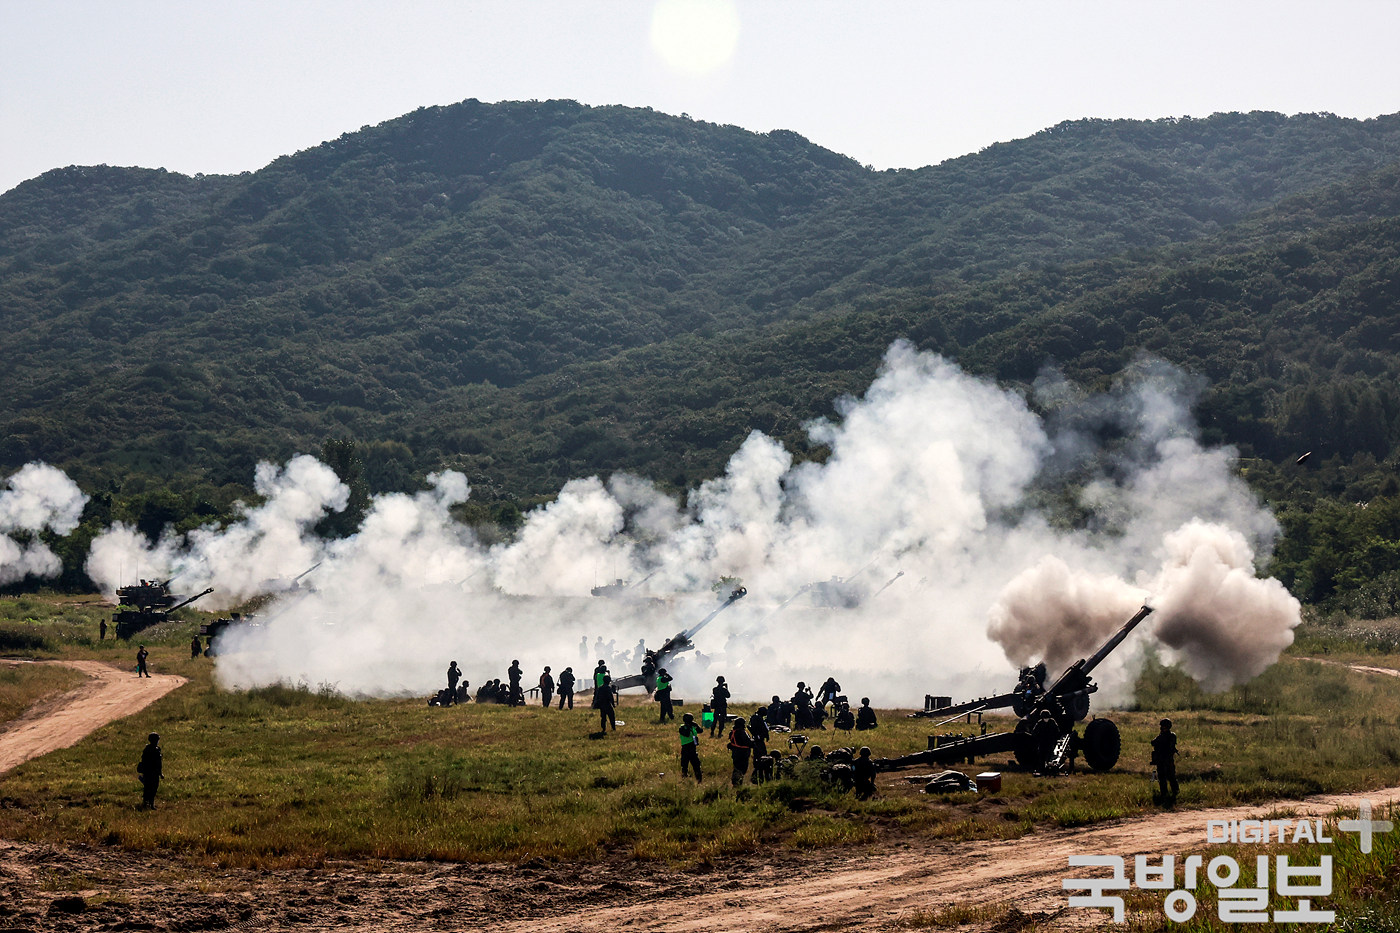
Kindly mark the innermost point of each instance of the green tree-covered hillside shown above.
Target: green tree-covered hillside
(533, 291)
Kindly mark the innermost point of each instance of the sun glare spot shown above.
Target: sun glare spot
(695, 37)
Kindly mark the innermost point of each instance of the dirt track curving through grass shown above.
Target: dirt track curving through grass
(785, 891)
(899, 886)
(108, 695)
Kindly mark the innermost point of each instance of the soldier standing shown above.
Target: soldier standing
(719, 703)
(547, 686)
(740, 747)
(690, 745)
(101, 629)
(802, 706)
(600, 676)
(663, 695)
(607, 704)
(196, 649)
(141, 655)
(517, 696)
(758, 732)
(1164, 760)
(566, 687)
(454, 674)
(149, 770)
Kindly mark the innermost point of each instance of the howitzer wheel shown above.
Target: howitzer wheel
(1102, 744)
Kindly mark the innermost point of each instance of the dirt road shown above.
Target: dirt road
(98, 888)
(1388, 671)
(898, 887)
(109, 694)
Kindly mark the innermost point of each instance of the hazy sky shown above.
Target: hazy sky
(227, 86)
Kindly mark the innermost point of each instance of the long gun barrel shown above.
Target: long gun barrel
(306, 571)
(674, 645)
(738, 594)
(1078, 673)
(887, 585)
(190, 600)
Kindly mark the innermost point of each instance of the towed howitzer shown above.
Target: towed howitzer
(131, 619)
(1066, 701)
(681, 641)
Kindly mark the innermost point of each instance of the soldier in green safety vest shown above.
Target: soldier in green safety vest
(690, 745)
(663, 695)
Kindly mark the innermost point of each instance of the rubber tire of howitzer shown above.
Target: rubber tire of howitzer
(1102, 744)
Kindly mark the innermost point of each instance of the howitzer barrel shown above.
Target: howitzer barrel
(1078, 673)
(738, 594)
(304, 572)
(1000, 701)
(1117, 639)
(190, 600)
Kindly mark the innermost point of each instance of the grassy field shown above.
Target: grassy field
(286, 776)
(23, 686)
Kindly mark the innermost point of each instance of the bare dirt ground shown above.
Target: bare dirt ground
(65, 720)
(894, 887)
(1388, 671)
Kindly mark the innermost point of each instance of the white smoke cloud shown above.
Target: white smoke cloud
(1223, 624)
(35, 498)
(262, 551)
(914, 559)
(1183, 528)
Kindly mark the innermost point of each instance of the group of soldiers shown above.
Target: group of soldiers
(508, 692)
(808, 710)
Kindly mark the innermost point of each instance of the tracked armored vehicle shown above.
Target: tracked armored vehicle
(145, 604)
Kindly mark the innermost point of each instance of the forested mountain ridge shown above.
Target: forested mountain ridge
(534, 291)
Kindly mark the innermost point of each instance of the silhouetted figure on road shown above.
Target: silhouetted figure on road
(141, 655)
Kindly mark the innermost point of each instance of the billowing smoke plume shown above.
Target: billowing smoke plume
(1181, 526)
(36, 498)
(915, 558)
(266, 547)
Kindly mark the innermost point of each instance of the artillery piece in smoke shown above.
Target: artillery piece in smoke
(147, 603)
(681, 641)
(619, 589)
(1067, 702)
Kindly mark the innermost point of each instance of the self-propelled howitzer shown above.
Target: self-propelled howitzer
(130, 619)
(1051, 745)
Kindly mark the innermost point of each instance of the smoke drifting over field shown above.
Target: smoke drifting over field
(36, 498)
(913, 560)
